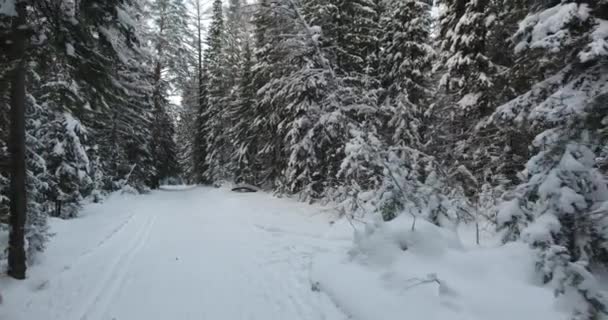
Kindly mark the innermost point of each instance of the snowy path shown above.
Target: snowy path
(193, 254)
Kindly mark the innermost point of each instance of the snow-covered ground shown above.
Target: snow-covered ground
(391, 272)
(202, 253)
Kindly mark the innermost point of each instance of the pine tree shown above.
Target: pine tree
(185, 126)
(233, 46)
(558, 206)
(170, 29)
(214, 132)
(199, 148)
(243, 116)
(298, 118)
(39, 178)
(271, 22)
(406, 63)
(164, 148)
(470, 82)
(68, 163)
(357, 36)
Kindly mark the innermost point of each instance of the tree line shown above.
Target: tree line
(489, 110)
(461, 110)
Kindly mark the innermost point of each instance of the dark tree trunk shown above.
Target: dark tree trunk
(16, 252)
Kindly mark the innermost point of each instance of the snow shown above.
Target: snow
(540, 230)
(73, 129)
(392, 273)
(69, 50)
(549, 26)
(599, 44)
(59, 148)
(199, 253)
(7, 8)
(469, 100)
(125, 18)
(507, 210)
(187, 252)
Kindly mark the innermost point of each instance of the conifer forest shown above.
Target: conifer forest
(408, 115)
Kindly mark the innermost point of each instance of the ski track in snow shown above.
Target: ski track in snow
(195, 254)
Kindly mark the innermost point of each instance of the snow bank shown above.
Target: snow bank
(392, 272)
(179, 187)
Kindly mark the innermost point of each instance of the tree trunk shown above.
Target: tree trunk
(16, 252)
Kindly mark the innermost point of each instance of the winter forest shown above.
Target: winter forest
(486, 113)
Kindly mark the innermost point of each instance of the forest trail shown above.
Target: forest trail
(194, 254)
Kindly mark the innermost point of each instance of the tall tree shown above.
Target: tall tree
(559, 206)
(199, 140)
(406, 63)
(16, 255)
(243, 116)
(271, 22)
(213, 112)
(171, 66)
(469, 81)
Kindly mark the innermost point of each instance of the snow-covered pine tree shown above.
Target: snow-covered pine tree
(407, 56)
(401, 177)
(200, 143)
(39, 179)
(559, 208)
(108, 37)
(291, 95)
(56, 89)
(314, 122)
(164, 148)
(271, 22)
(357, 36)
(199, 150)
(233, 55)
(185, 126)
(469, 80)
(171, 64)
(406, 63)
(67, 162)
(347, 33)
(121, 92)
(243, 116)
(235, 35)
(190, 92)
(216, 132)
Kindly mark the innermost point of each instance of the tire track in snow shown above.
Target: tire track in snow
(113, 279)
(82, 258)
(103, 241)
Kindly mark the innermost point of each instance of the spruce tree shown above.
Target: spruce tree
(557, 208)
(242, 115)
(406, 62)
(214, 131)
(271, 22)
(199, 149)
(171, 66)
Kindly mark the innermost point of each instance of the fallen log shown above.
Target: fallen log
(246, 188)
